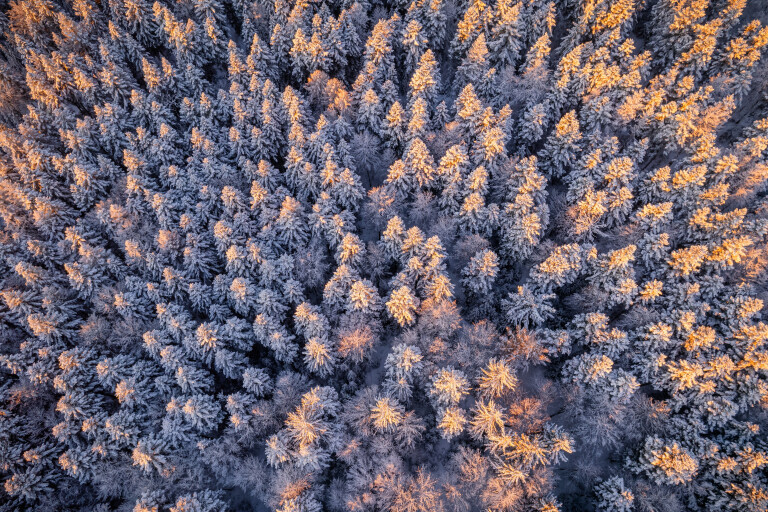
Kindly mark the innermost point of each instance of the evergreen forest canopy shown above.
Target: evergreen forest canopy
(413, 256)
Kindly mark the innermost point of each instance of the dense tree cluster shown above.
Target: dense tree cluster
(408, 256)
